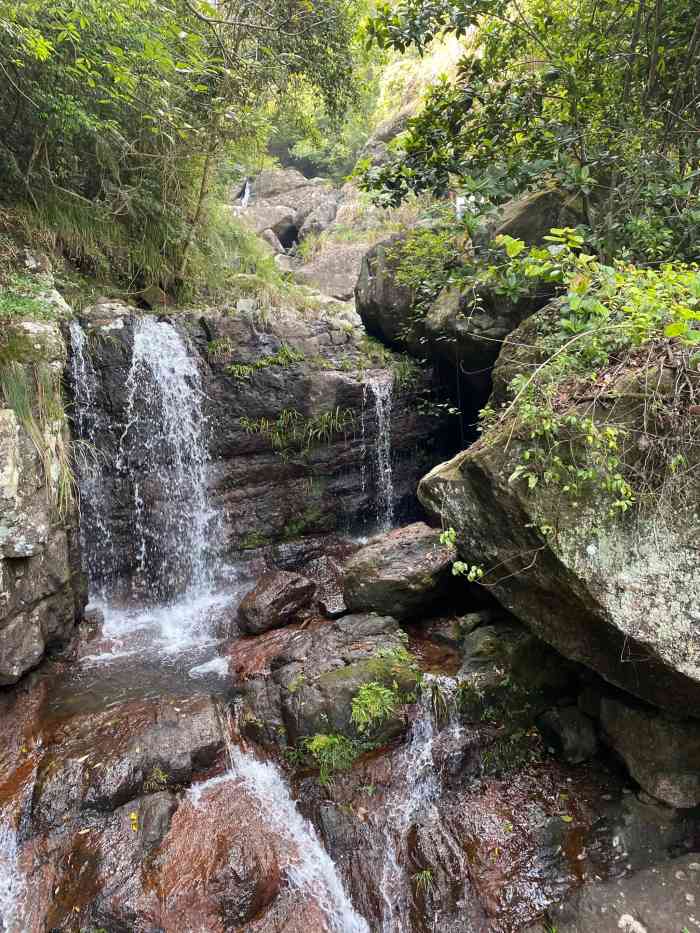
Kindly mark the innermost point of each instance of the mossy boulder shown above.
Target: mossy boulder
(316, 673)
(616, 592)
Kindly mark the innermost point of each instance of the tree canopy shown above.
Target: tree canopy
(599, 97)
(117, 113)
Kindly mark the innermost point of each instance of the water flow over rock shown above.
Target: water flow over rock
(164, 431)
(382, 393)
(12, 884)
(310, 870)
(417, 797)
(97, 547)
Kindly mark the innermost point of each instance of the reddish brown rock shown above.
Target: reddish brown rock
(276, 600)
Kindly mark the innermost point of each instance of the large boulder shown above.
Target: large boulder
(333, 271)
(460, 327)
(401, 573)
(276, 600)
(283, 201)
(309, 679)
(616, 593)
(531, 217)
(662, 754)
(383, 303)
(377, 148)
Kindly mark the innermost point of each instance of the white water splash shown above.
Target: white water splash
(182, 626)
(415, 798)
(164, 434)
(218, 666)
(12, 885)
(382, 392)
(312, 870)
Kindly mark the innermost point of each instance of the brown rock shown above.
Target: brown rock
(276, 600)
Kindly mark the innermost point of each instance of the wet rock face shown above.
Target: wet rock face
(41, 587)
(661, 898)
(309, 679)
(570, 733)
(402, 573)
(276, 600)
(496, 851)
(273, 485)
(97, 762)
(113, 838)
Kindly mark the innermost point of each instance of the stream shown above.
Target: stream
(131, 799)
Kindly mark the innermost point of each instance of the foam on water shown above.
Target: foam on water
(164, 630)
(218, 666)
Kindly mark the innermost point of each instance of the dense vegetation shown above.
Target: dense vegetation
(121, 117)
(597, 97)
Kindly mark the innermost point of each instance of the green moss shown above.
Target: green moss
(284, 357)
(21, 298)
(308, 521)
(254, 540)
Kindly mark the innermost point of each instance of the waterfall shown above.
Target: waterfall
(416, 798)
(12, 886)
(145, 507)
(163, 450)
(245, 197)
(381, 389)
(312, 870)
(96, 542)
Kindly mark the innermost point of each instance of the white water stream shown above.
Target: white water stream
(165, 433)
(310, 870)
(415, 798)
(12, 885)
(381, 389)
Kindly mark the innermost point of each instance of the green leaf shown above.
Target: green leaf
(675, 330)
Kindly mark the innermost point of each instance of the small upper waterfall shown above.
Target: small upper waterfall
(164, 441)
(382, 393)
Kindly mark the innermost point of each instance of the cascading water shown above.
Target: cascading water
(12, 885)
(164, 432)
(311, 870)
(96, 540)
(381, 389)
(417, 797)
(162, 468)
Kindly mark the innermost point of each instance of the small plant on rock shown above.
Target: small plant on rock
(424, 881)
(372, 705)
(332, 753)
